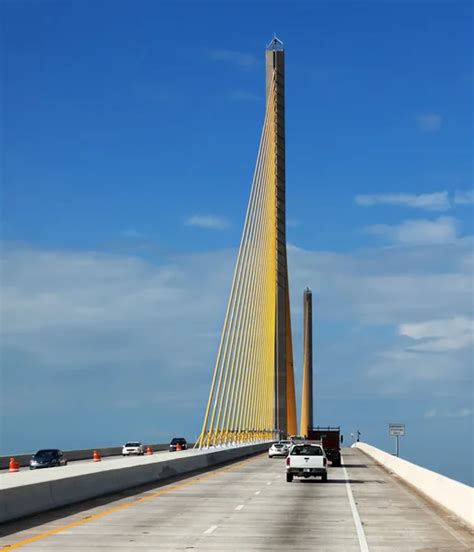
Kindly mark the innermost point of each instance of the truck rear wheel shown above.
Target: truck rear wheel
(289, 478)
(324, 477)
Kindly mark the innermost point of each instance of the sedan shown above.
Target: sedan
(277, 449)
(178, 443)
(47, 458)
(133, 447)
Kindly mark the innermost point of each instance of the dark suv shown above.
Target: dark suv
(178, 441)
(47, 458)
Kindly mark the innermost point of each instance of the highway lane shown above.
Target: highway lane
(249, 506)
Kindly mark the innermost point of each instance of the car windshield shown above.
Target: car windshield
(133, 444)
(285, 442)
(278, 445)
(48, 453)
(306, 450)
(179, 440)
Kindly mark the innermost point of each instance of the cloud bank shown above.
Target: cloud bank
(211, 222)
(127, 346)
(442, 230)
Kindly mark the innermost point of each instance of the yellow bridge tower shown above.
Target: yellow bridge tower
(252, 395)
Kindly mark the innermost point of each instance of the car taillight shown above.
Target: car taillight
(288, 461)
(325, 461)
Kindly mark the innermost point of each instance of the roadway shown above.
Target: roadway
(250, 506)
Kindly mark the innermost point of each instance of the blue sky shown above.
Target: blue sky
(130, 133)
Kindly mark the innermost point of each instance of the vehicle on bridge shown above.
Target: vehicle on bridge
(306, 460)
(297, 439)
(47, 458)
(330, 438)
(133, 447)
(178, 443)
(279, 449)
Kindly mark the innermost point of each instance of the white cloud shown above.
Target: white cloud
(402, 369)
(132, 233)
(437, 201)
(442, 230)
(211, 222)
(429, 122)
(241, 59)
(464, 197)
(77, 323)
(444, 413)
(440, 335)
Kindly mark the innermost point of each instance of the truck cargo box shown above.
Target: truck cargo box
(330, 438)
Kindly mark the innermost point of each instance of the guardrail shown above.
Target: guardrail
(29, 492)
(454, 496)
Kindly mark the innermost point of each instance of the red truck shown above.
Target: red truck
(331, 440)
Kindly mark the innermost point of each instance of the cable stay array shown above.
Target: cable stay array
(240, 407)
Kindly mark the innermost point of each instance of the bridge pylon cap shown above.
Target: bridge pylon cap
(276, 45)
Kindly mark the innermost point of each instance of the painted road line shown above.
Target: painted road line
(269, 482)
(355, 514)
(256, 493)
(239, 507)
(211, 529)
(123, 506)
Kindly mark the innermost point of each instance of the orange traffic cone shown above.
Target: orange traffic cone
(149, 451)
(96, 457)
(13, 466)
(179, 447)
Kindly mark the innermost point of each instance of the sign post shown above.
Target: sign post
(396, 430)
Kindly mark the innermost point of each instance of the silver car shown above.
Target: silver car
(278, 449)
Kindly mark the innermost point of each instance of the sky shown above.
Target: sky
(129, 138)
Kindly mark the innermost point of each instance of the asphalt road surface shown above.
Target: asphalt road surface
(250, 506)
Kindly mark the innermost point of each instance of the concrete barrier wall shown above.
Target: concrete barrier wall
(452, 495)
(80, 454)
(30, 492)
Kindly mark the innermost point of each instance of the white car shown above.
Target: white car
(133, 447)
(306, 460)
(278, 449)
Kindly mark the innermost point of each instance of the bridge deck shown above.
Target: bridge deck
(249, 506)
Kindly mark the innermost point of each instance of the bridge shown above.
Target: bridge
(226, 494)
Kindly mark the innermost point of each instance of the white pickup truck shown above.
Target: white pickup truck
(306, 460)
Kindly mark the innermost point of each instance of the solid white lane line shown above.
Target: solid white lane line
(355, 514)
(239, 507)
(269, 482)
(211, 529)
(257, 492)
